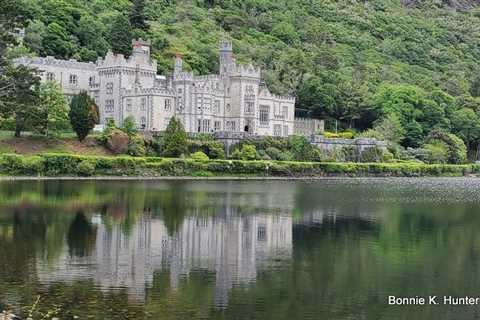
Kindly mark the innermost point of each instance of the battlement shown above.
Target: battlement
(225, 45)
(51, 61)
(134, 61)
(140, 42)
(183, 76)
(266, 94)
(238, 70)
(208, 77)
(163, 91)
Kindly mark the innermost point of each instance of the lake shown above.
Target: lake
(327, 249)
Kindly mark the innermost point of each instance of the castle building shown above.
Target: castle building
(235, 100)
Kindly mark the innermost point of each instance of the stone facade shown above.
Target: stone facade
(235, 100)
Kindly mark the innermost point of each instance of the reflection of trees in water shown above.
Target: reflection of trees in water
(81, 236)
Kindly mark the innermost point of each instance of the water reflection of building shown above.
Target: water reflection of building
(234, 247)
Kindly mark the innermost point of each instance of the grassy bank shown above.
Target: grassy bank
(73, 165)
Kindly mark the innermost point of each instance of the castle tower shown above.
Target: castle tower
(178, 64)
(141, 47)
(226, 56)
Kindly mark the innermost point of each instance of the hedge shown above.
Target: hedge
(75, 165)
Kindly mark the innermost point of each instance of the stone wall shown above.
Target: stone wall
(331, 144)
(307, 127)
(324, 144)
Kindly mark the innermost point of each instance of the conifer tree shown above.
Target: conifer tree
(121, 35)
(175, 139)
(137, 15)
(83, 114)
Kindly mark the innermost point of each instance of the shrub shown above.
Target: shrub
(456, 149)
(339, 135)
(174, 142)
(372, 154)
(301, 149)
(129, 126)
(213, 149)
(199, 156)
(136, 145)
(86, 168)
(437, 152)
(247, 152)
(350, 154)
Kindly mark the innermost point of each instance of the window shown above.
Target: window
(264, 115)
(143, 105)
(216, 107)
(203, 103)
(206, 125)
(73, 80)
(285, 112)
(129, 105)
(249, 106)
(50, 76)
(230, 126)
(109, 105)
(277, 130)
(261, 233)
(109, 87)
(285, 131)
(143, 123)
(91, 81)
(229, 107)
(217, 126)
(168, 105)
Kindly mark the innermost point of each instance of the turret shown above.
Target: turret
(178, 64)
(226, 56)
(141, 51)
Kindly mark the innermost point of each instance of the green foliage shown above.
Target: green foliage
(339, 135)
(73, 165)
(129, 126)
(456, 151)
(120, 35)
(174, 142)
(246, 152)
(136, 145)
(19, 96)
(437, 152)
(53, 110)
(387, 129)
(83, 114)
(213, 149)
(86, 168)
(199, 156)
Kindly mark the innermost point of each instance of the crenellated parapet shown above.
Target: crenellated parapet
(135, 61)
(163, 91)
(53, 62)
(249, 71)
(266, 94)
(183, 76)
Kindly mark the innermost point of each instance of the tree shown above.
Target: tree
(137, 15)
(12, 16)
(19, 95)
(53, 109)
(175, 139)
(121, 35)
(56, 41)
(388, 129)
(83, 114)
(466, 124)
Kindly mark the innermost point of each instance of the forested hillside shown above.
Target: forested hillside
(348, 60)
